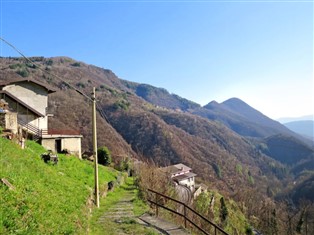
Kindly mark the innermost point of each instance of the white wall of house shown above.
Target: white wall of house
(30, 93)
(39, 122)
(49, 144)
(73, 145)
(70, 143)
(189, 182)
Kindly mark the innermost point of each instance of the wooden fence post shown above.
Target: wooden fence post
(184, 216)
(156, 204)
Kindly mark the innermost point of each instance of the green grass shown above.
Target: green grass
(47, 199)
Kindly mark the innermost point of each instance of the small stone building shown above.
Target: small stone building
(62, 141)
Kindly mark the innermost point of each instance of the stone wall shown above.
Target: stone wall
(8, 121)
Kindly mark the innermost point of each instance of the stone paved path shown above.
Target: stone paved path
(123, 212)
(163, 225)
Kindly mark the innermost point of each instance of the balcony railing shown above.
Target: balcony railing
(59, 132)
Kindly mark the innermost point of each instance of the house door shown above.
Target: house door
(58, 145)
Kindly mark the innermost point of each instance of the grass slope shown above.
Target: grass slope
(47, 199)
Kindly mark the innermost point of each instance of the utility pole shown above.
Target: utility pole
(95, 148)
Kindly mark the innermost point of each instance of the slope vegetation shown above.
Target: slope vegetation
(46, 199)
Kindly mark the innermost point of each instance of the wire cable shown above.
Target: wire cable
(99, 109)
(45, 71)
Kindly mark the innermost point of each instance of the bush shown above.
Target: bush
(217, 170)
(15, 66)
(104, 156)
(76, 64)
(23, 72)
(223, 210)
(121, 104)
(49, 62)
(80, 85)
(249, 230)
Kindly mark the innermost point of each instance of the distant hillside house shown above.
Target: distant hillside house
(182, 175)
(29, 100)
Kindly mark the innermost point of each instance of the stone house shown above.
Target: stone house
(29, 100)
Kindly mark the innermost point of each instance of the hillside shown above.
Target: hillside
(234, 113)
(231, 146)
(287, 149)
(46, 199)
(160, 97)
(167, 129)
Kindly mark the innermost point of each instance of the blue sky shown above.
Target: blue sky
(258, 51)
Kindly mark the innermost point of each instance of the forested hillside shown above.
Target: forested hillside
(231, 147)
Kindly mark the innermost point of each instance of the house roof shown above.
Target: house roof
(184, 176)
(10, 82)
(173, 169)
(22, 103)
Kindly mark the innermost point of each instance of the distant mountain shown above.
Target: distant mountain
(292, 119)
(305, 128)
(242, 118)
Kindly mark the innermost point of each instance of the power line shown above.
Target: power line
(45, 71)
(101, 112)
(99, 109)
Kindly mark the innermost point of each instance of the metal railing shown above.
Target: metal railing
(30, 129)
(187, 214)
(59, 132)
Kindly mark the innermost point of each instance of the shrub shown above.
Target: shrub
(76, 64)
(121, 104)
(249, 230)
(217, 170)
(49, 62)
(15, 66)
(37, 58)
(251, 179)
(104, 156)
(23, 72)
(80, 85)
(223, 210)
(239, 169)
(31, 65)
